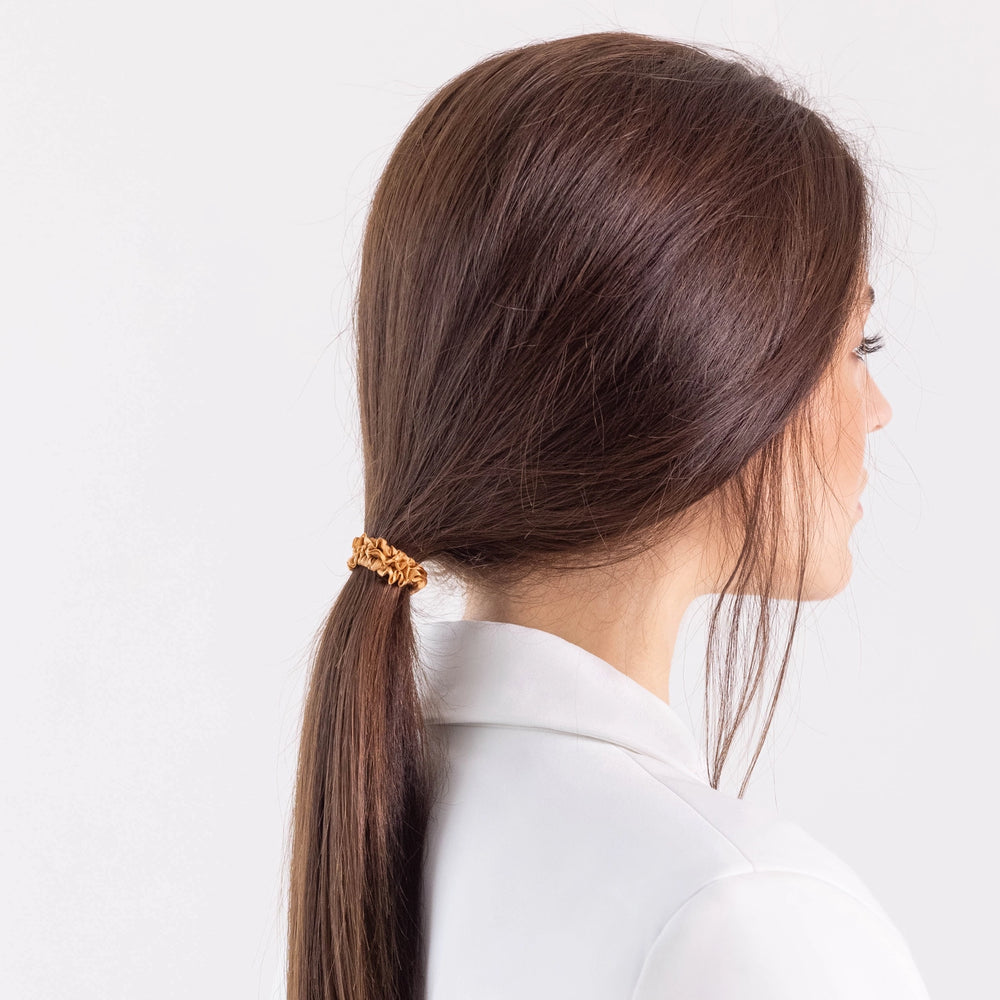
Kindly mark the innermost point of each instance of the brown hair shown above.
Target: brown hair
(601, 278)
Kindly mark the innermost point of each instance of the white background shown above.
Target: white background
(182, 187)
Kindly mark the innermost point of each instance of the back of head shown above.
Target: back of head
(602, 279)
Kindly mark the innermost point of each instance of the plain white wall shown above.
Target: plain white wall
(182, 188)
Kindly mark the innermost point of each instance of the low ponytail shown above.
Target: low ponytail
(362, 795)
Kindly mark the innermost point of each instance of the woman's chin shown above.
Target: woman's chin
(832, 576)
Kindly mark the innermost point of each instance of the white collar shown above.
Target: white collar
(504, 674)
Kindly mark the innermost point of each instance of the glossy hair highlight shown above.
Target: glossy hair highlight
(603, 278)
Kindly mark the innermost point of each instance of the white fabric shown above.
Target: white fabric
(577, 850)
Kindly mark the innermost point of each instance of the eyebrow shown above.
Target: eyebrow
(871, 296)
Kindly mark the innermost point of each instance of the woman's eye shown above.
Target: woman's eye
(869, 345)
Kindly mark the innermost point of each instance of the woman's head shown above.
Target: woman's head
(609, 290)
(600, 276)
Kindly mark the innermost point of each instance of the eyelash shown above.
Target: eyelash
(869, 345)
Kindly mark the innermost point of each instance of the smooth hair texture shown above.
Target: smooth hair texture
(603, 277)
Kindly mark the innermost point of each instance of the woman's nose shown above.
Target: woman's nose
(879, 410)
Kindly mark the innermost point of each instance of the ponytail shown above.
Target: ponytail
(362, 799)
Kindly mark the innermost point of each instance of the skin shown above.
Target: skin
(629, 615)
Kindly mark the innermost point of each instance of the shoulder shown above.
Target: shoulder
(779, 915)
(779, 935)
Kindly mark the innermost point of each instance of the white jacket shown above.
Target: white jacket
(577, 850)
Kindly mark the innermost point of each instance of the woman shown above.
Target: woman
(611, 356)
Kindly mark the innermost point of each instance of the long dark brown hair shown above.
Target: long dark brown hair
(601, 279)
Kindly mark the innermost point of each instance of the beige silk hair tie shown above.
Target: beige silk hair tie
(386, 560)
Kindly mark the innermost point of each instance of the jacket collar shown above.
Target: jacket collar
(483, 672)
